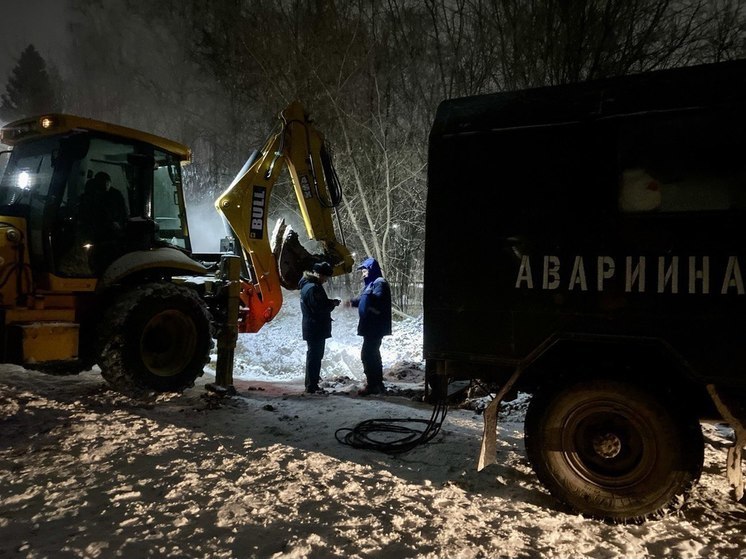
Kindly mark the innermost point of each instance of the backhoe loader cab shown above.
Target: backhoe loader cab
(614, 245)
(96, 263)
(86, 188)
(93, 229)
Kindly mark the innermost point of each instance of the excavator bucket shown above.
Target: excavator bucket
(291, 256)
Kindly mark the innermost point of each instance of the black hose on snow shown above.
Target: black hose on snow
(363, 434)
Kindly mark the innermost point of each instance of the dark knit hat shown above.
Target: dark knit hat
(323, 269)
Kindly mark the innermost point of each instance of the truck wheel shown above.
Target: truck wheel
(155, 337)
(613, 450)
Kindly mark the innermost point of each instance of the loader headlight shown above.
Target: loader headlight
(46, 122)
(24, 179)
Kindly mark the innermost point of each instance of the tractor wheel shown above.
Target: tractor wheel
(612, 450)
(156, 337)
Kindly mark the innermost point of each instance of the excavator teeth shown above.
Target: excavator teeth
(291, 256)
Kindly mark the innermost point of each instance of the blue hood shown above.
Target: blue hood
(374, 270)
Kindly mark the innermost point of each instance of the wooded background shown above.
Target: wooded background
(371, 73)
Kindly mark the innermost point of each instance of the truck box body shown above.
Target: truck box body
(608, 213)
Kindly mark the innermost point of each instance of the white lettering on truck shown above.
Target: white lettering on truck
(668, 272)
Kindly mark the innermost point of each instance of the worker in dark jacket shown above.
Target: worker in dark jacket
(317, 320)
(374, 309)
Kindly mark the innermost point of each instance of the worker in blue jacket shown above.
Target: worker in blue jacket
(374, 309)
(316, 308)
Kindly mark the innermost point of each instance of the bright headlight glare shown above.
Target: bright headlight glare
(47, 122)
(24, 179)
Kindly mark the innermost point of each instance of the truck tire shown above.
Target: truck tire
(613, 450)
(156, 337)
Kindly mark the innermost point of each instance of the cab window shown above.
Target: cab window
(685, 162)
(167, 205)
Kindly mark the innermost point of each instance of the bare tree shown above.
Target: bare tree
(215, 74)
(724, 31)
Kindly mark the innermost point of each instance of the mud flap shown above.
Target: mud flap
(488, 452)
(733, 468)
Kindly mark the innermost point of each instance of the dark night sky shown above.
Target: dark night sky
(42, 23)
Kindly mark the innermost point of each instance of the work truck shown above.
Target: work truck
(586, 244)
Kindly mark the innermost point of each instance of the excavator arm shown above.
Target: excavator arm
(278, 261)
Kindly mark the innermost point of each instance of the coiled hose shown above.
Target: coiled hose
(375, 434)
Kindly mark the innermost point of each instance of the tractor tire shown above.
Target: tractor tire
(612, 450)
(156, 337)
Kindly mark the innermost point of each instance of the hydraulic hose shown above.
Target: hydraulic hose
(363, 435)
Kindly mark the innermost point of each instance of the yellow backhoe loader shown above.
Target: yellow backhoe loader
(96, 264)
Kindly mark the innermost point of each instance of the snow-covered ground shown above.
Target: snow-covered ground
(277, 352)
(86, 472)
